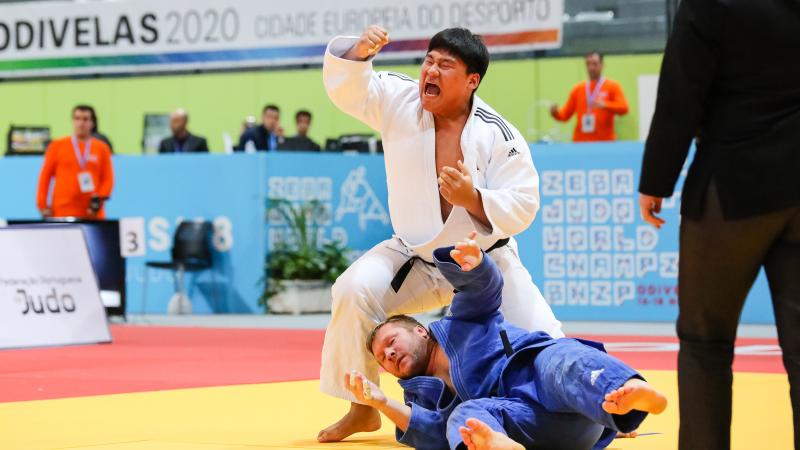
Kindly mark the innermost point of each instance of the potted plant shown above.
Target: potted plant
(300, 270)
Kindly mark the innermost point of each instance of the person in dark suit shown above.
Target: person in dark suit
(182, 141)
(729, 80)
(267, 136)
(302, 120)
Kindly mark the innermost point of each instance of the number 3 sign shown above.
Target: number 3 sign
(131, 236)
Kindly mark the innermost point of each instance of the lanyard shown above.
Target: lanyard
(590, 97)
(82, 160)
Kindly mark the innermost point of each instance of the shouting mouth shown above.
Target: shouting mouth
(432, 90)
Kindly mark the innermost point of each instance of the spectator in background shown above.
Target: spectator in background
(95, 133)
(182, 141)
(268, 136)
(302, 120)
(81, 165)
(596, 101)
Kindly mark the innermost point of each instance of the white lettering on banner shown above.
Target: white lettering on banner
(356, 197)
(159, 240)
(577, 292)
(552, 183)
(50, 287)
(577, 238)
(576, 182)
(595, 247)
(600, 264)
(555, 292)
(554, 212)
(600, 239)
(160, 237)
(600, 209)
(622, 182)
(554, 265)
(599, 182)
(577, 210)
(600, 293)
(577, 265)
(223, 234)
(553, 239)
(151, 35)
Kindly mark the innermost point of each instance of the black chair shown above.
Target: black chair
(191, 252)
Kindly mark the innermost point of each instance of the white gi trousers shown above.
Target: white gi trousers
(363, 297)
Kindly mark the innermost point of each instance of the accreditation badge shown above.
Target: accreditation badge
(85, 182)
(588, 123)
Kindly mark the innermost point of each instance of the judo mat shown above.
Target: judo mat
(162, 388)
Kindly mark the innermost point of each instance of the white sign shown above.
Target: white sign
(57, 38)
(48, 289)
(648, 88)
(131, 236)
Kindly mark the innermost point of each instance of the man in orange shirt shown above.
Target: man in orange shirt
(596, 101)
(82, 169)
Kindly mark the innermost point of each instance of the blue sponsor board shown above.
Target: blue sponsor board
(588, 250)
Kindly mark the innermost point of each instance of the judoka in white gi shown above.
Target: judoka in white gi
(474, 380)
(453, 165)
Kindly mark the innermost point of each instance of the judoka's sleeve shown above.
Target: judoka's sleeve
(427, 430)
(479, 290)
(511, 196)
(356, 89)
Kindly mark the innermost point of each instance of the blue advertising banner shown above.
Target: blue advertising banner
(350, 188)
(588, 250)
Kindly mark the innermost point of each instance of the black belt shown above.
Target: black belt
(402, 273)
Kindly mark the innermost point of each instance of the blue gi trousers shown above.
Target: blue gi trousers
(560, 408)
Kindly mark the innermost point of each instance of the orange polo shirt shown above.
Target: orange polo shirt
(615, 103)
(61, 163)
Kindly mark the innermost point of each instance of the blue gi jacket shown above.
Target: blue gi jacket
(470, 337)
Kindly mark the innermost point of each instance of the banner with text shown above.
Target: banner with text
(48, 290)
(62, 38)
(590, 252)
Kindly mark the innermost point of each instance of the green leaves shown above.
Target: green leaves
(300, 256)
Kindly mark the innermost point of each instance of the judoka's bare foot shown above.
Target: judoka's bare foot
(478, 436)
(631, 435)
(634, 394)
(360, 418)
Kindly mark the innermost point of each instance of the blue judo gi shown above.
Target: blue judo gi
(541, 392)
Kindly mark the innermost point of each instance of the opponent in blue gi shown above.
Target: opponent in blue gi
(530, 390)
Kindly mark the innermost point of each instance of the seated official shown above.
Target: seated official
(301, 142)
(265, 137)
(473, 369)
(182, 141)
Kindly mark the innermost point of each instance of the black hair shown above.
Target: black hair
(468, 47)
(92, 115)
(272, 107)
(594, 52)
(301, 113)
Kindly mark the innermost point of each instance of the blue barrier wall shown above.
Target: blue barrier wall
(588, 250)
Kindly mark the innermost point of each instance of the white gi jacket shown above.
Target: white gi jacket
(495, 153)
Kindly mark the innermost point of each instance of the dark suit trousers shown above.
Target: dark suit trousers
(719, 261)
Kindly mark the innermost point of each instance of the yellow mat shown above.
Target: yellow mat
(288, 415)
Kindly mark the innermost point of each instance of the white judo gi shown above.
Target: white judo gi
(501, 167)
